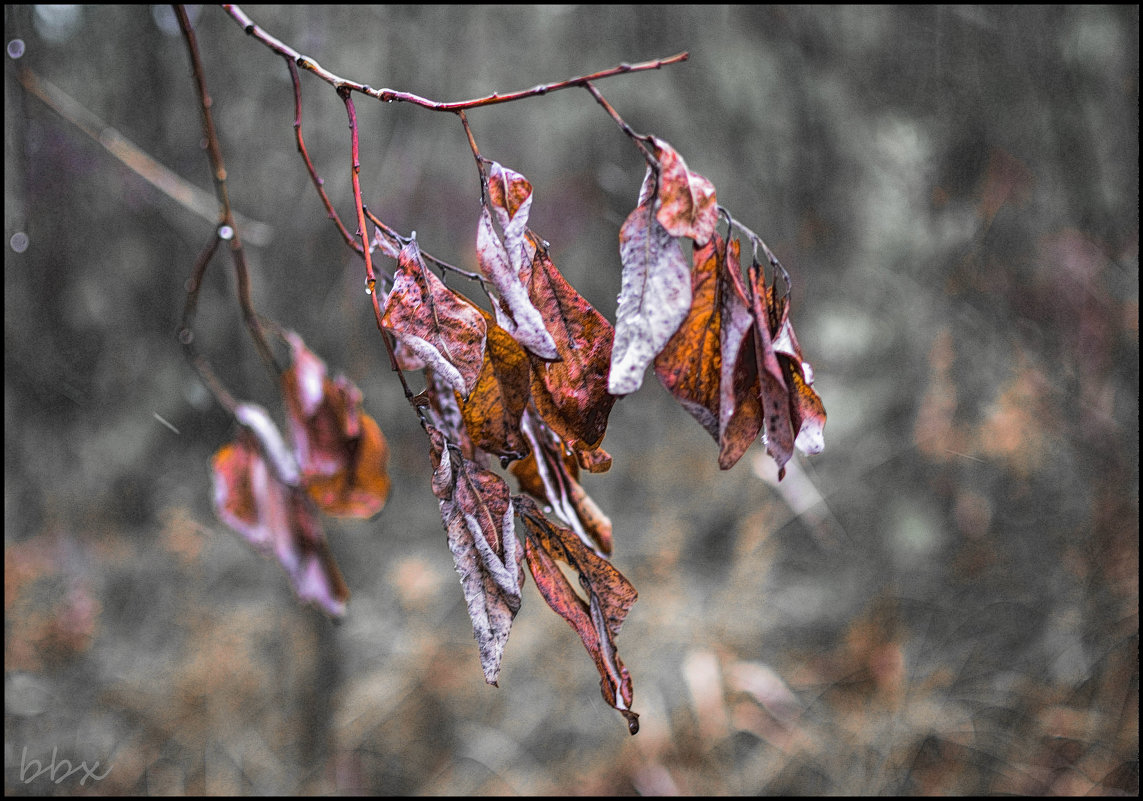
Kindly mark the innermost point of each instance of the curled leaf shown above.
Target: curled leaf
(739, 411)
(571, 394)
(340, 449)
(549, 473)
(687, 201)
(690, 364)
(277, 520)
(598, 615)
(477, 513)
(505, 262)
(439, 326)
(492, 411)
(654, 298)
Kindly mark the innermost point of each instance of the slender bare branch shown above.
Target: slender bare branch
(390, 95)
(226, 213)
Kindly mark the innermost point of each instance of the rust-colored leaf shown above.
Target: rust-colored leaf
(690, 364)
(571, 394)
(549, 473)
(807, 413)
(687, 201)
(739, 410)
(597, 617)
(492, 412)
(477, 513)
(275, 517)
(773, 392)
(341, 451)
(442, 328)
(654, 297)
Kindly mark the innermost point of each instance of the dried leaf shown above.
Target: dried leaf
(690, 364)
(807, 413)
(571, 394)
(341, 451)
(774, 394)
(687, 201)
(654, 298)
(277, 520)
(442, 328)
(505, 261)
(549, 473)
(492, 412)
(596, 618)
(740, 411)
(477, 513)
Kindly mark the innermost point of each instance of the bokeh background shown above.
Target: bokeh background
(944, 601)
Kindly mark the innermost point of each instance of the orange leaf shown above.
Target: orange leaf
(341, 451)
(492, 412)
(690, 364)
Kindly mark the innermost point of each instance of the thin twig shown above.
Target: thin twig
(638, 139)
(226, 214)
(758, 243)
(317, 180)
(390, 95)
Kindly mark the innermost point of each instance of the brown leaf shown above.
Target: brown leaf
(807, 413)
(687, 201)
(774, 394)
(276, 518)
(739, 410)
(442, 328)
(492, 412)
(477, 513)
(596, 618)
(341, 451)
(549, 473)
(571, 394)
(690, 364)
(654, 298)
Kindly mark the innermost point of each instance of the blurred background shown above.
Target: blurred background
(944, 601)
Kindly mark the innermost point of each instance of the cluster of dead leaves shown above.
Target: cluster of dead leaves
(270, 493)
(532, 383)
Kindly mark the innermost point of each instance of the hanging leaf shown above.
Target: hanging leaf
(549, 473)
(504, 261)
(690, 364)
(807, 413)
(739, 411)
(492, 412)
(273, 515)
(687, 201)
(571, 394)
(654, 297)
(439, 326)
(340, 449)
(774, 394)
(597, 617)
(477, 513)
